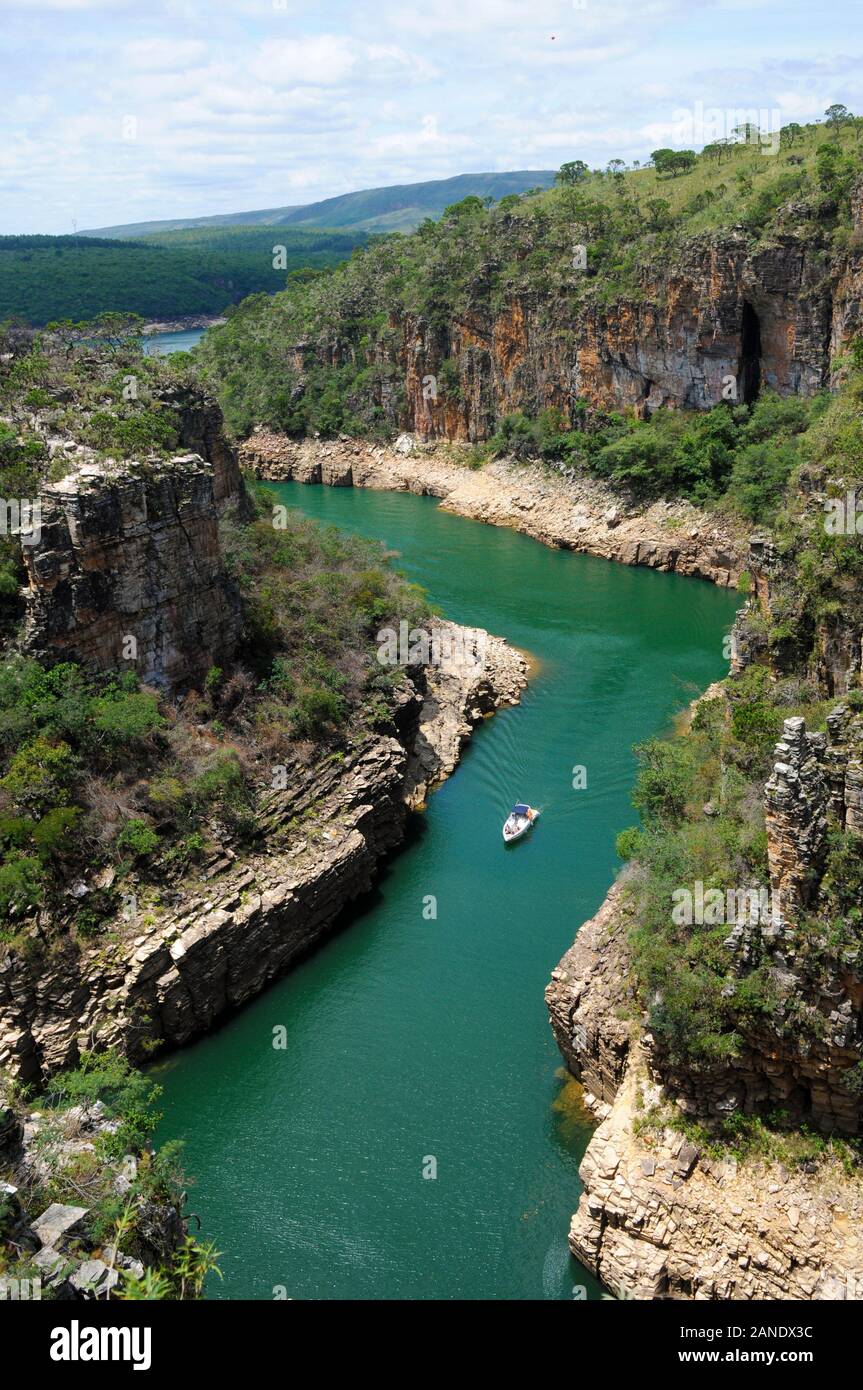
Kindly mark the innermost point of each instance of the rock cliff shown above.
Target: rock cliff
(128, 571)
(687, 334)
(181, 959)
(721, 313)
(660, 1218)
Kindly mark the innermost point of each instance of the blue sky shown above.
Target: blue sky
(124, 110)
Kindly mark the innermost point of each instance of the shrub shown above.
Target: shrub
(317, 712)
(664, 779)
(21, 883)
(124, 716)
(138, 838)
(39, 775)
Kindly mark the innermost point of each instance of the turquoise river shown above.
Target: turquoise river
(411, 1039)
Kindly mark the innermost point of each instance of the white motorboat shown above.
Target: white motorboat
(518, 822)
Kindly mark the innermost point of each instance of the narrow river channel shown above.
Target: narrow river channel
(411, 1039)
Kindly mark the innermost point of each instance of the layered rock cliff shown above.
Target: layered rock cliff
(661, 1217)
(713, 317)
(128, 573)
(717, 314)
(180, 959)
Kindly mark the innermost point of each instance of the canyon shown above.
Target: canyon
(660, 1218)
(579, 514)
(179, 958)
(127, 572)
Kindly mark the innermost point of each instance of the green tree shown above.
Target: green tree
(574, 171)
(837, 116)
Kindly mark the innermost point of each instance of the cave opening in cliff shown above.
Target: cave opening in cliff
(750, 355)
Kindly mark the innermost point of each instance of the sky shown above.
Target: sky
(118, 111)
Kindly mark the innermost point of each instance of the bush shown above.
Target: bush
(21, 883)
(125, 717)
(39, 776)
(317, 712)
(664, 779)
(137, 838)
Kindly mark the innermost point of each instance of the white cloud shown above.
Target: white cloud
(322, 60)
(163, 55)
(241, 104)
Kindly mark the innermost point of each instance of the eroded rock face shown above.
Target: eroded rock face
(721, 316)
(795, 804)
(658, 1219)
(202, 431)
(196, 953)
(128, 572)
(587, 989)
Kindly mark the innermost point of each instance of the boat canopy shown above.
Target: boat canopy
(520, 809)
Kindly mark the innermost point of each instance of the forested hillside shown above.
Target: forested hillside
(173, 274)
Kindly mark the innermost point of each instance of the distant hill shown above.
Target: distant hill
(132, 231)
(177, 273)
(399, 208)
(402, 207)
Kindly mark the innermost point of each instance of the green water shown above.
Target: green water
(410, 1038)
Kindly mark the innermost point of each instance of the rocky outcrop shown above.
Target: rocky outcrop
(816, 629)
(57, 1255)
(588, 991)
(659, 1219)
(202, 431)
(177, 961)
(128, 572)
(795, 803)
(576, 513)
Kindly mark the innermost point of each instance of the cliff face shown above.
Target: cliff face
(202, 431)
(658, 1218)
(128, 571)
(720, 317)
(181, 960)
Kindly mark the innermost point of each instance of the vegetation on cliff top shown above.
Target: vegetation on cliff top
(700, 795)
(97, 773)
(320, 356)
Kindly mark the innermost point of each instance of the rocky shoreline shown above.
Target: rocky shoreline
(179, 959)
(182, 325)
(580, 514)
